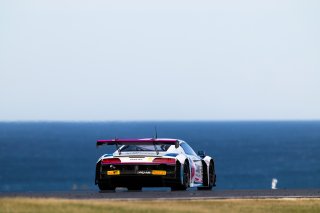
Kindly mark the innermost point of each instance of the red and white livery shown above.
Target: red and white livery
(154, 162)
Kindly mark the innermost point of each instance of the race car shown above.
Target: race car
(154, 162)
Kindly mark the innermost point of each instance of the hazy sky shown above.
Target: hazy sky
(159, 60)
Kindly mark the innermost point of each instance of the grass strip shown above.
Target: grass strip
(48, 205)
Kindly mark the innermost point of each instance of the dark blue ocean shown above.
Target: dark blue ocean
(61, 156)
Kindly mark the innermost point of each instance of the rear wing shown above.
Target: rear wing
(151, 141)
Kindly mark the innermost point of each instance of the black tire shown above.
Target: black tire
(212, 178)
(97, 176)
(103, 186)
(186, 180)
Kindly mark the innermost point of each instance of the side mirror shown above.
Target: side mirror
(201, 154)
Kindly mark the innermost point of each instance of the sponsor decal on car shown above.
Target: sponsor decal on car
(113, 172)
(144, 172)
(159, 172)
(152, 172)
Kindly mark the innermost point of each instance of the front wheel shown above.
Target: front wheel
(212, 179)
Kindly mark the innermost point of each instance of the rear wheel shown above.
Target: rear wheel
(105, 186)
(186, 179)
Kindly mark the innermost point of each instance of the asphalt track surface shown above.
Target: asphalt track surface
(190, 194)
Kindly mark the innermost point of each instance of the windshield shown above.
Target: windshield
(131, 148)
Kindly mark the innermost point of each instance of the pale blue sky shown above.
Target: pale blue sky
(159, 60)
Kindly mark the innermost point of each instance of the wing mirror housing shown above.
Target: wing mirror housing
(201, 154)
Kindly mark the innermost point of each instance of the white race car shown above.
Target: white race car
(153, 162)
